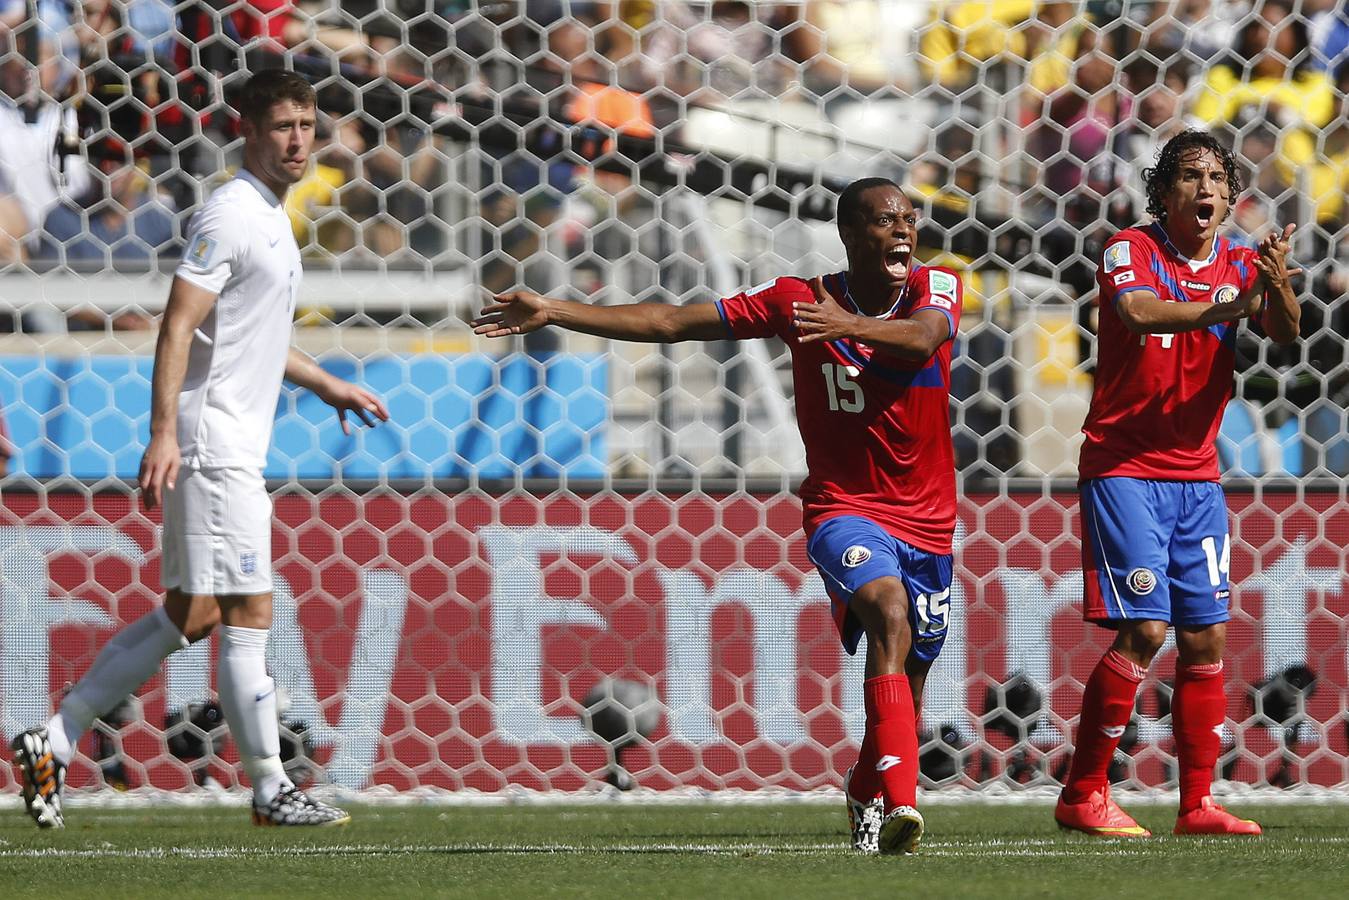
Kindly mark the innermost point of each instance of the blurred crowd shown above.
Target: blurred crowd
(1039, 112)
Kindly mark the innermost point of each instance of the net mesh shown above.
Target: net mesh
(567, 561)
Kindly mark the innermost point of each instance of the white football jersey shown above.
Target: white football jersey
(241, 246)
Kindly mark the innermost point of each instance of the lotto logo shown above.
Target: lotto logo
(887, 762)
(760, 288)
(1113, 731)
(855, 555)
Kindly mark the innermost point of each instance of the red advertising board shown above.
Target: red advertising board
(447, 640)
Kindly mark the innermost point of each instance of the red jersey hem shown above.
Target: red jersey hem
(1208, 473)
(815, 520)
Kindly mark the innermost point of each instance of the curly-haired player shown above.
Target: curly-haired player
(1155, 544)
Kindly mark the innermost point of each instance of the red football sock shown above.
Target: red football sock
(896, 737)
(865, 782)
(1107, 704)
(1198, 707)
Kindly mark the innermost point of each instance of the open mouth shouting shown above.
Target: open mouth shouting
(896, 261)
(1204, 215)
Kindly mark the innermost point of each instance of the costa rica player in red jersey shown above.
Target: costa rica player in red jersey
(1155, 545)
(871, 359)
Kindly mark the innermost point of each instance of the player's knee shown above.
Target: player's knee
(201, 623)
(1142, 640)
(1201, 646)
(885, 609)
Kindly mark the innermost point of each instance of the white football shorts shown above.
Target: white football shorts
(217, 537)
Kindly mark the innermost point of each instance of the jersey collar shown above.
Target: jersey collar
(1161, 234)
(262, 189)
(889, 313)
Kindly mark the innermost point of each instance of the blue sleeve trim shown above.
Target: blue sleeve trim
(950, 318)
(1139, 287)
(721, 311)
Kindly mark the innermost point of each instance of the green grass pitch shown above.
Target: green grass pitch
(630, 851)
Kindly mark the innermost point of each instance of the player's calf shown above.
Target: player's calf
(42, 776)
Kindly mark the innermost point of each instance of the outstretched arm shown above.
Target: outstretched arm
(341, 395)
(521, 312)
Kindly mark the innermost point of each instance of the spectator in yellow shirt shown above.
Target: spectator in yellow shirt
(1270, 68)
(1327, 174)
(968, 33)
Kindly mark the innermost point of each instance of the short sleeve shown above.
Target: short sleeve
(1125, 267)
(215, 242)
(1243, 261)
(939, 289)
(764, 310)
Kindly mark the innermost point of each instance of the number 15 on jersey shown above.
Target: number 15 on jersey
(845, 395)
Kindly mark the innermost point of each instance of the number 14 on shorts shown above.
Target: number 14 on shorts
(1218, 566)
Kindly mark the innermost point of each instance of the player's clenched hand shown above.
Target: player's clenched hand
(159, 470)
(1272, 258)
(344, 396)
(518, 312)
(823, 320)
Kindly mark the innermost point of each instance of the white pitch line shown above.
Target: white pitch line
(383, 850)
(1031, 848)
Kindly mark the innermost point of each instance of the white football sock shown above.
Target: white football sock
(123, 665)
(248, 698)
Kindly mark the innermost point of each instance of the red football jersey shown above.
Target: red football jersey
(876, 428)
(1159, 398)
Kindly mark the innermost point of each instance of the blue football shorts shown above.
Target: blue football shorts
(850, 551)
(1154, 550)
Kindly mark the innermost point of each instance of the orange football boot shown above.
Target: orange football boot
(1210, 818)
(1099, 816)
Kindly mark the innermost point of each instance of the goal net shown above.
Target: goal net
(567, 562)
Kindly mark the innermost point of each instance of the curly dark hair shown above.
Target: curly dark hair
(1161, 178)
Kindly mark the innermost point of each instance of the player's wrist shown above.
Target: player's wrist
(859, 328)
(548, 308)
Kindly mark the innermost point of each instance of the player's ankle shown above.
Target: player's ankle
(1077, 792)
(1192, 804)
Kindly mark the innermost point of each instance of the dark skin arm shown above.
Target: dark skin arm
(1142, 312)
(521, 312)
(915, 338)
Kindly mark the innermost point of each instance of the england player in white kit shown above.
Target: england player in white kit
(223, 350)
